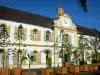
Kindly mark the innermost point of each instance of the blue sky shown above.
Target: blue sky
(48, 8)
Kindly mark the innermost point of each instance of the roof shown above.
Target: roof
(34, 19)
(24, 17)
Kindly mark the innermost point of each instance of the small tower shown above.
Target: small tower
(60, 11)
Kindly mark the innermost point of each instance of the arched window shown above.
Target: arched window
(35, 34)
(47, 36)
(65, 36)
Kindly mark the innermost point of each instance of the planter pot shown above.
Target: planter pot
(16, 71)
(91, 68)
(62, 70)
(47, 71)
(86, 68)
(95, 66)
(74, 69)
(28, 73)
(67, 64)
(83, 67)
(5, 71)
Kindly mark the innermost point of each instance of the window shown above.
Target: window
(65, 36)
(47, 36)
(35, 34)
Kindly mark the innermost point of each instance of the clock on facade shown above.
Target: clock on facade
(65, 21)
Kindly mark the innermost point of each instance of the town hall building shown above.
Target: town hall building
(38, 33)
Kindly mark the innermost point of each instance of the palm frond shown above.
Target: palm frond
(82, 4)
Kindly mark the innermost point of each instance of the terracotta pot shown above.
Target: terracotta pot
(67, 64)
(86, 68)
(62, 70)
(16, 71)
(91, 68)
(5, 71)
(74, 69)
(81, 68)
(95, 66)
(47, 71)
(28, 73)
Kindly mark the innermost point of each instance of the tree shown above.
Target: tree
(82, 3)
(83, 45)
(48, 57)
(29, 57)
(95, 45)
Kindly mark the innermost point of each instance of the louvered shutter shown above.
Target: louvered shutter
(16, 33)
(31, 54)
(44, 35)
(39, 35)
(7, 58)
(15, 58)
(24, 31)
(38, 57)
(52, 37)
(31, 34)
(8, 31)
(69, 39)
(23, 54)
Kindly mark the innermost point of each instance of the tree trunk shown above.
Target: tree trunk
(29, 65)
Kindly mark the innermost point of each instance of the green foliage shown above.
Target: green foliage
(48, 57)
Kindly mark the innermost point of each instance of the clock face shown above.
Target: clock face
(65, 21)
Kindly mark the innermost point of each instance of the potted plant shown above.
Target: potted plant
(48, 70)
(30, 59)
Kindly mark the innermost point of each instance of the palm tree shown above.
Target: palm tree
(48, 58)
(29, 57)
(95, 45)
(82, 4)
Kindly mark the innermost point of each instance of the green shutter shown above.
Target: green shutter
(31, 53)
(24, 34)
(38, 57)
(44, 35)
(51, 37)
(16, 33)
(31, 34)
(39, 35)
(8, 31)
(24, 61)
(7, 58)
(15, 58)
(69, 39)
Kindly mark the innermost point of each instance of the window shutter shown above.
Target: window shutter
(31, 53)
(69, 39)
(15, 58)
(38, 57)
(8, 31)
(51, 37)
(44, 35)
(39, 35)
(7, 58)
(16, 33)
(24, 34)
(24, 61)
(31, 34)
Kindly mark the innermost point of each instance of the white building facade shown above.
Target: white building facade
(39, 33)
